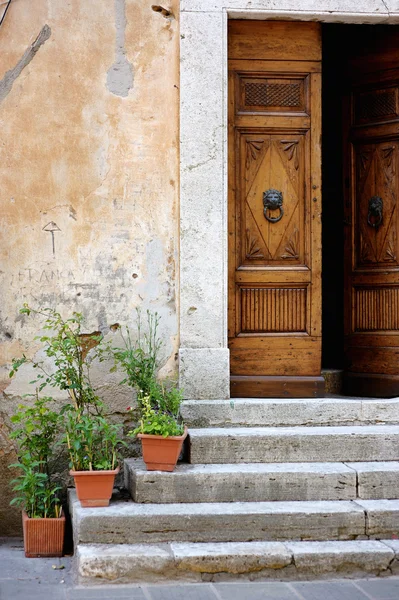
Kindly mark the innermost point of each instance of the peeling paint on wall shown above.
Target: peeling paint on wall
(8, 80)
(120, 75)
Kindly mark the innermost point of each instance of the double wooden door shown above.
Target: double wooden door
(275, 208)
(275, 245)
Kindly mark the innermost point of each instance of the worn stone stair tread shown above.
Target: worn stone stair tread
(250, 482)
(218, 561)
(129, 522)
(377, 480)
(241, 482)
(294, 444)
(279, 431)
(277, 412)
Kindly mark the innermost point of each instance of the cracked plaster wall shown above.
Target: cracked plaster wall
(89, 159)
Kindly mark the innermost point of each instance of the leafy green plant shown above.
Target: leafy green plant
(37, 427)
(157, 422)
(93, 443)
(139, 358)
(159, 402)
(35, 493)
(68, 348)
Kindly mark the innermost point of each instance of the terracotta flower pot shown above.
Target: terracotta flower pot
(43, 537)
(160, 453)
(94, 488)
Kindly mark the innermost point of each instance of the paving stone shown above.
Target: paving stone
(106, 593)
(377, 480)
(18, 590)
(183, 592)
(386, 589)
(241, 482)
(382, 517)
(40, 569)
(328, 591)
(11, 546)
(334, 557)
(294, 444)
(255, 591)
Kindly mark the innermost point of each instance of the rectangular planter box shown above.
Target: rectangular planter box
(43, 537)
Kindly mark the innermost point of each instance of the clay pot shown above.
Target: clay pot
(94, 488)
(43, 537)
(160, 453)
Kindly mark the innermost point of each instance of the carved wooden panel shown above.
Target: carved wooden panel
(273, 310)
(272, 162)
(376, 309)
(274, 216)
(376, 166)
(271, 94)
(376, 105)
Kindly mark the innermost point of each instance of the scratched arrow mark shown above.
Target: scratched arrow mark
(52, 227)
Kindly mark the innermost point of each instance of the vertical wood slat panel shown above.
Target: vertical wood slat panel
(277, 310)
(377, 309)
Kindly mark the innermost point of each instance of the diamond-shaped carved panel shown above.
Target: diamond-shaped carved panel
(376, 176)
(277, 165)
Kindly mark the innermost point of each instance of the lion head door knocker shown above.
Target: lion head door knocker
(374, 217)
(273, 200)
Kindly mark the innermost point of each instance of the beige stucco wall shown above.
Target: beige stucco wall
(89, 142)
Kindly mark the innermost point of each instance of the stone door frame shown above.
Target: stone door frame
(204, 367)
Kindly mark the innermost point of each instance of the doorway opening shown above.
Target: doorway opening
(277, 290)
(374, 48)
(333, 59)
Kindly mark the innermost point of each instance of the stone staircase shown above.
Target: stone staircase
(283, 489)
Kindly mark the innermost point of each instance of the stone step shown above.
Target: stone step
(377, 480)
(257, 482)
(129, 522)
(241, 483)
(135, 563)
(271, 412)
(294, 444)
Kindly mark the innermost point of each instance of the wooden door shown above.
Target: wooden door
(274, 209)
(371, 243)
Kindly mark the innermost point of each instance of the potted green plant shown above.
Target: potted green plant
(43, 522)
(161, 433)
(161, 429)
(90, 439)
(93, 444)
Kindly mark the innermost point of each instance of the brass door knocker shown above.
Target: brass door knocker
(273, 200)
(374, 217)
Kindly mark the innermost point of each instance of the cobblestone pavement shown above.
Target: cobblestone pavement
(50, 579)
